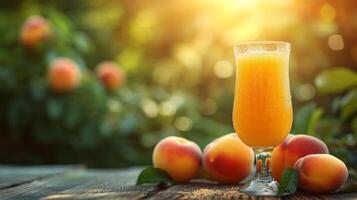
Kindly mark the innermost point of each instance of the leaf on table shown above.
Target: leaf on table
(153, 175)
(335, 80)
(289, 182)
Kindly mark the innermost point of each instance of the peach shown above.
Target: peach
(63, 75)
(321, 173)
(179, 157)
(35, 30)
(227, 159)
(294, 147)
(110, 74)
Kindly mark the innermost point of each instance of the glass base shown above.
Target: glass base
(262, 184)
(261, 188)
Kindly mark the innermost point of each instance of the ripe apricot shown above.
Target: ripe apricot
(35, 30)
(227, 159)
(179, 157)
(294, 147)
(63, 75)
(321, 173)
(110, 75)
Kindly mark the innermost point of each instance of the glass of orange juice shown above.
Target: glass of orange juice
(262, 110)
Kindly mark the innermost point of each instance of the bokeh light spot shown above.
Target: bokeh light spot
(114, 106)
(167, 108)
(305, 92)
(129, 59)
(327, 12)
(149, 107)
(335, 42)
(188, 56)
(223, 69)
(183, 123)
(143, 26)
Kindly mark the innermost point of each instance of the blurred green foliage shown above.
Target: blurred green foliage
(335, 121)
(41, 126)
(180, 81)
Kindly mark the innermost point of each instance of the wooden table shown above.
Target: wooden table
(76, 182)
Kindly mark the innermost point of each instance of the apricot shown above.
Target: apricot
(34, 31)
(63, 75)
(294, 147)
(110, 74)
(179, 157)
(321, 173)
(227, 159)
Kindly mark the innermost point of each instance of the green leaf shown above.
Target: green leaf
(73, 117)
(354, 127)
(327, 128)
(289, 182)
(153, 175)
(335, 80)
(313, 121)
(349, 104)
(82, 42)
(7, 80)
(54, 109)
(302, 118)
(336, 104)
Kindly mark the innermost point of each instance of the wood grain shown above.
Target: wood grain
(81, 184)
(306, 196)
(16, 175)
(64, 182)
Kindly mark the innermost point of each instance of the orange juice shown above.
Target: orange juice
(262, 111)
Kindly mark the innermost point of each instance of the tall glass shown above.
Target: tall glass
(262, 110)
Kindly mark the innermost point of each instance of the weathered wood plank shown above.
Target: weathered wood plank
(16, 175)
(120, 184)
(199, 190)
(80, 184)
(306, 196)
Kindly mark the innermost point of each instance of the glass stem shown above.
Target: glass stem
(262, 184)
(262, 161)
